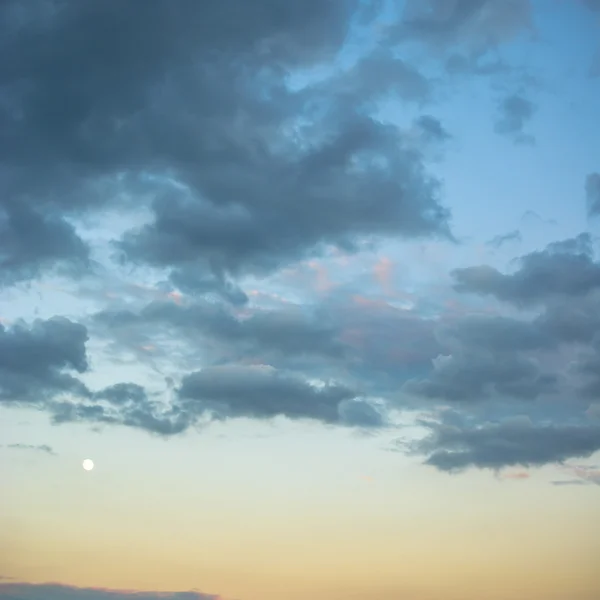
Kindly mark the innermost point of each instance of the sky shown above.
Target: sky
(316, 287)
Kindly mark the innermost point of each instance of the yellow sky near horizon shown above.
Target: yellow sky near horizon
(348, 521)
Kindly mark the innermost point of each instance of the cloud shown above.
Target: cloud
(125, 404)
(565, 482)
(56, 591)
(571, 319)
(544, 366)
(592, 193)
(516, 476)
(498, 334)
(123, 393)
(343, 335)
(514, 112)
(588, 366)
(33, 242)
(36, 366)
(499, 240)
(191, 235)
(199, 122)
(232, 152)
(476, 376)
(563, 269)
(584, 475)
(501, 359)
(286, 332)
(219, 393)
(262, 392)
(36, 361)
(42, 448)
(508, 443)
(458, 64)
(476, 25)
(530, 217)
(432, 129)
(587, 474)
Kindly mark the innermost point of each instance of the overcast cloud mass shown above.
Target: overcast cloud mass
(213, 155)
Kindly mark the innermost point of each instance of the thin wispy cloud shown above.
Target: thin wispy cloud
(40, 448)
(56, 591)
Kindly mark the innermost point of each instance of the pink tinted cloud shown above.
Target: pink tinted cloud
(176, 297)
(353, 337)
(517, 475)
(155, 293)
(383, 271)
(322, 281)
(586, 473)
(260, 296)
(366, 302)
(384, 335)
(312, 276)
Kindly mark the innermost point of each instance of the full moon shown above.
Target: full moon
(88, 464)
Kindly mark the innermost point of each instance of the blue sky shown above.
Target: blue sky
(316, 287)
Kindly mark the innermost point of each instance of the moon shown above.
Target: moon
(88, 464)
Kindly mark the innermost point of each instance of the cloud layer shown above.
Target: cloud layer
(55, 591)
(232, 177)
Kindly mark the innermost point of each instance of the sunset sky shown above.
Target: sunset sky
(316, 286)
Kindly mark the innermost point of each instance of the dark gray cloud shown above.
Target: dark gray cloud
(563, 269)
(37, 360)
(492, 357)
(381, 74)
(370, 339)
(509, 443)
(218, 393)
(593, 5)
(459, 64)
(497, 334)
(37, 363)
(186, 106)
(467, 376)
(270, 334)
(592, 194)
(151, 416)
(514, 112)
(567, 321)
(263, 392)
(34, 242)
(55, 591)
(499, 240)
(123, 393)
(41, 448)
(385, 344)
(588, 366)
(565, 482)
(432, 129)
(483, 359)
(475, 24)
(319, 198)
